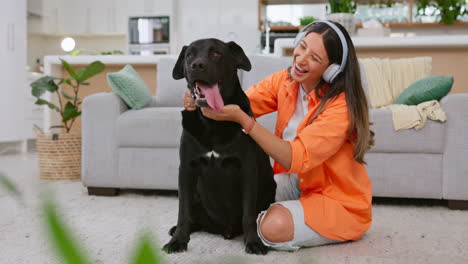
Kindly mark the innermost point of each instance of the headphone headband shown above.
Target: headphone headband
(340, 34)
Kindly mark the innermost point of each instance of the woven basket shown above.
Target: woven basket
(59, 156)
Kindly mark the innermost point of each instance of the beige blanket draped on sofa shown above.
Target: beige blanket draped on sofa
(387, 78)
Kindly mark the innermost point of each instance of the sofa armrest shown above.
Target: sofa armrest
(455, 167)
(99, 145)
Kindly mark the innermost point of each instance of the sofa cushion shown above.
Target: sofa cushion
(426, 89)
(263, 66)
(429, 139)
(128, 84)
(150, 127)
(169, 92)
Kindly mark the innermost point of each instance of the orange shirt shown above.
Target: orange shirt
(336, 192)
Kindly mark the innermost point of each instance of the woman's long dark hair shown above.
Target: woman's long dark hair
(348, 81)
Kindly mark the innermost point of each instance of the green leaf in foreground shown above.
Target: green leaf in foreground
(9, 186)
(145, 252)
(61, 238)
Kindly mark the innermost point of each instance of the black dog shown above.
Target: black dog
(225, 178)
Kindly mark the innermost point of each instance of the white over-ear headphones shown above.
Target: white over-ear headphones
(334, 69)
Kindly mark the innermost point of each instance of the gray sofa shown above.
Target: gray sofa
(138, 149)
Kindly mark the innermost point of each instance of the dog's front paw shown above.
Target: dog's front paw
(257, 248)
(175, 246)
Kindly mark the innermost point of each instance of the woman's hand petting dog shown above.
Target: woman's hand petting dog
(230, 112)
(189, 103)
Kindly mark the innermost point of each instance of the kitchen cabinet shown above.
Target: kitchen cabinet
(12, 70)
(92, 17)
(86, 17)
(151, 7)
(203, 19)
(73, 17)
(48, 21)
(107, 17)
(35, 7)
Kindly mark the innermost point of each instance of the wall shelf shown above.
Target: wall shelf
(263, 3)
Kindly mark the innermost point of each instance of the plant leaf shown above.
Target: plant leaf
(80, 72)
(145, 252)
(91, 70)
(65, 244)
(69, 97)
(75, 52)
(50, 105)
(43, 84)
(68, 81)
(69, 69)
(9, 186)
(70, 112)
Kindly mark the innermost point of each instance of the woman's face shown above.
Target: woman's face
(310, 60)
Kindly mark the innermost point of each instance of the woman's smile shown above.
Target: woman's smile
(299, 71)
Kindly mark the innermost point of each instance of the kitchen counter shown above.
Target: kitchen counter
(49, 61)
(434, 41)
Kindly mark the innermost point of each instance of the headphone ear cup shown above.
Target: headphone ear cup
(331, 72)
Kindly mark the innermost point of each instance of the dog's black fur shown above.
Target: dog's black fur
(221, 195)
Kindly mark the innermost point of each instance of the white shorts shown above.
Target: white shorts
(287, 195)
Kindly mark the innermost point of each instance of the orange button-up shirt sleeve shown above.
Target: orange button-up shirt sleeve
(263, 96)
(318, 141)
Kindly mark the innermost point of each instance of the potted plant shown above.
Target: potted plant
(342, 11)
(447, 10)
(60, 153)
(305, 20)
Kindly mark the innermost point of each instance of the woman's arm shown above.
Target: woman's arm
(315, 143)
(275, 147)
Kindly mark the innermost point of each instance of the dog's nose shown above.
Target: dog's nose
(198, 66)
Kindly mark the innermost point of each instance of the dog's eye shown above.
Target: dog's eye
(215, 54)
(189, 56)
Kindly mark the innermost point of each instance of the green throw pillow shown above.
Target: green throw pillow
(128, 84)
(426, 89)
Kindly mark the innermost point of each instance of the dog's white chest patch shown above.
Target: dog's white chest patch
(211, 154)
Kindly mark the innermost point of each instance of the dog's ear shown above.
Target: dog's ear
(178, 72)
(237, 52)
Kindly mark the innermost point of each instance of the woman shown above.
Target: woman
(322, 133)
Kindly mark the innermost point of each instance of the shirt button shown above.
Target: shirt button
(301, 180)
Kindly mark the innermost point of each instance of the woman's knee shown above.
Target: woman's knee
(277, 225)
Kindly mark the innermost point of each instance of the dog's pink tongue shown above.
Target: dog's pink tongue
(213, 96)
